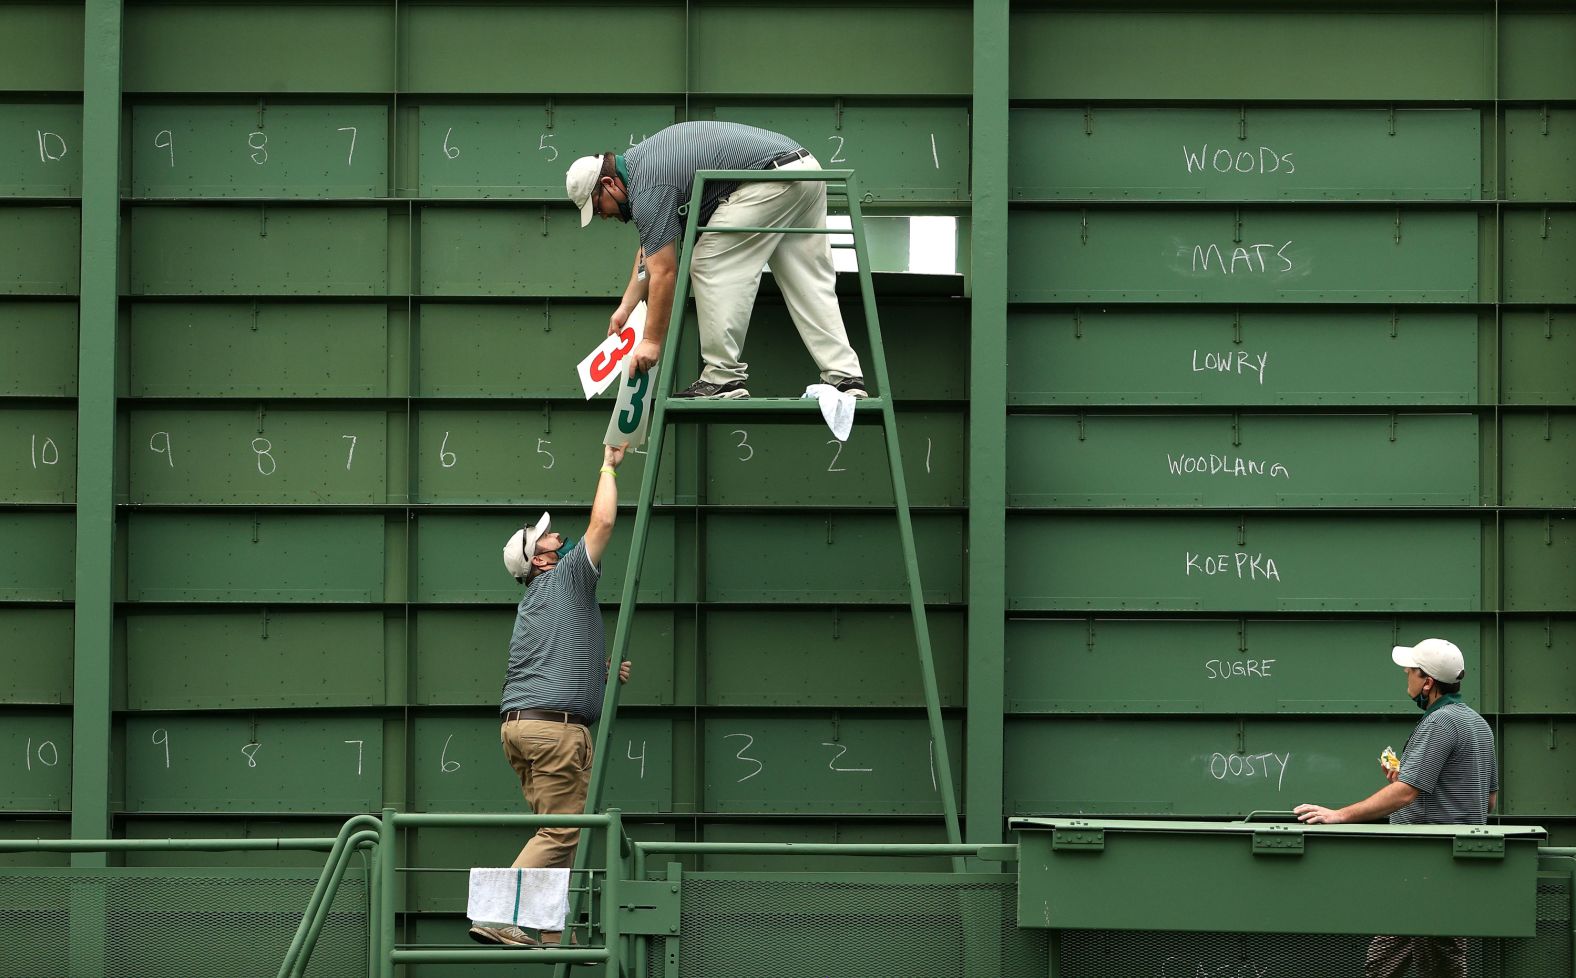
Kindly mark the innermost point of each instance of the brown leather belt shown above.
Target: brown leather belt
(554, 716)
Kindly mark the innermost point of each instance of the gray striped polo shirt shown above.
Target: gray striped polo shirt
(1449, 759)
(557, 654)
(662, 172)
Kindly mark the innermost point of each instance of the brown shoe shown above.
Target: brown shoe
(506, 934)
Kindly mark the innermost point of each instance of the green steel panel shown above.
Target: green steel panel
(1245, 563)
(35, 655)
(40, 250)
(761, 49)
(459, 655)
(261, 658)
(521, 454)
(38, 349)
(254, 556)
(244, 349)
(504, 349)
(1538, 459)
(1239, 54)
(1540, 143)
(37, 554)
(522, 150)
(1540, 561)
(258, 249)
(820, 832)
(1539, 656)
(256, 764)
(1539, 356)
(529, 250)
(830, 763)
(276, 453)
(1242, 460)
(457, 556)
(43, 47)
(1085, 356)
(847, 558)
(907, 152)
(40, 449)
(827, 657)
(1539, 770)
(266, 47)
(1173, 876)
(1194, 767)
(1540, 254)
(1172, 255)
(458, 764)
(769, 464)
(1204, 666)
(35, 764)
(260, 149)
(49, 164)
(495, 48)
(1535, 62)
(1245, 154)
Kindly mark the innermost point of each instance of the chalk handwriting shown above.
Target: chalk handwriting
(1250, 258)
(1239, 669)
(1266, 160)
(1232, 465)
(1244, 766)
(1246, 566)
(1230, 362)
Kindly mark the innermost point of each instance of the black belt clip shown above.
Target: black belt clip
(787, 158)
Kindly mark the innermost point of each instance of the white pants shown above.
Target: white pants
(725, 274)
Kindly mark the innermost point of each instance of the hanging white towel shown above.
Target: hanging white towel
(836, 407)
(536, 898)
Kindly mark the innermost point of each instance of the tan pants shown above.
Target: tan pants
(553, 761)
(1435, 957)
(725, 275)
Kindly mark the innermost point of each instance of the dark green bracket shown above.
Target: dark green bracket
(649, 907)
(1087, 840)
(1277, 841)
(1471, 846)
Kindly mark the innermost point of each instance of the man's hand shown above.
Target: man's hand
(645, 354)
(623, 669)
(1390, 773)
(612, 455)
(616, 321)
(1318, 815)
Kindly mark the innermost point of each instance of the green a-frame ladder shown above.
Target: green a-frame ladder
(840, 183)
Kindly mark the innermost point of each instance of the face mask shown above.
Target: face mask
(569, 543)
(1421, 699)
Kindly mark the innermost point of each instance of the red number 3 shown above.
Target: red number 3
(604, 363)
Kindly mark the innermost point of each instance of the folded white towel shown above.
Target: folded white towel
(525, 897)
(836, 407)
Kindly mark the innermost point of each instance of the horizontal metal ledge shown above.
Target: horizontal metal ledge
(756, 230)
(787, 407)
(496, 955)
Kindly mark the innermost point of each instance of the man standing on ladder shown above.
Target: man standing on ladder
(651, 186)
(552, 692)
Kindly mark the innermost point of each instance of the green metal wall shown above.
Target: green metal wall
(285, 337)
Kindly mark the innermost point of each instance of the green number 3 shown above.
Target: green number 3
(629, 419)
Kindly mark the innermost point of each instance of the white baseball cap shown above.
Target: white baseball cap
(1435, 656)
(521, 547)
(580, 183)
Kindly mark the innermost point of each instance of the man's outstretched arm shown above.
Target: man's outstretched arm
(604, 507)
(1391, 798)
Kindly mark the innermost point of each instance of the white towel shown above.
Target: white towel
(536, 898)
(836, 407)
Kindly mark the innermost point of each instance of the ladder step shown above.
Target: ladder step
(788, 408)
(737, 230)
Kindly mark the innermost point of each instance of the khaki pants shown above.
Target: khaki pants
(725, 275)
(553, 761)
(1435, 957)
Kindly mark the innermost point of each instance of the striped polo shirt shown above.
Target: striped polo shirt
(662, 172)
(1449, 759)
(557, 654)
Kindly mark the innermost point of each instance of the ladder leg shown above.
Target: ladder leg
(637, 553)
(916, 596)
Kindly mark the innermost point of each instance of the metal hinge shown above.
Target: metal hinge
(649, 907)
(1473, 846)
(1087, 839)
(1277, 840)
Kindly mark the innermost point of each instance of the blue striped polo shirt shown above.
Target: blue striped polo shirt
(1450, 760)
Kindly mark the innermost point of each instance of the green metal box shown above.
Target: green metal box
(1435, 880)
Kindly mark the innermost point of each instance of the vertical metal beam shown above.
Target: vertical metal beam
(96, 345)
(987, 426)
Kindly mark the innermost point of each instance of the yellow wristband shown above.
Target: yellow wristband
(610, 471)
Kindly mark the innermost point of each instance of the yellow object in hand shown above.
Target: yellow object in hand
(1389, 761)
